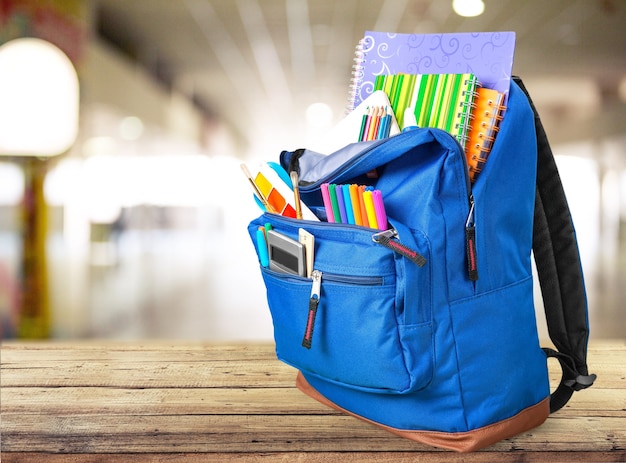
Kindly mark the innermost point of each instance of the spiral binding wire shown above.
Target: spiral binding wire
(482, 135)
(357, 77)
(467, 107)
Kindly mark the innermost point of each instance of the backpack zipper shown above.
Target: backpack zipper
(314, 302)
(385, 239)
(470, 242)
(316, 295)
(470, 223)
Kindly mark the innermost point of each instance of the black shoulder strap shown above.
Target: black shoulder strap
(560, 273)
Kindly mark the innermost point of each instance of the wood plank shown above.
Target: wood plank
(221, 401)
(226, 373)
(596, 402)
(158, 351)
(601, 351)
(222, 367)
(322, 457)
(198, 401)
(238, 403)
(263, 433)
(30, 357)
(141, 346)
(140, 374)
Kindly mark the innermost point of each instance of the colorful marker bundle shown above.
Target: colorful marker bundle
(354, 204)
(375, 124)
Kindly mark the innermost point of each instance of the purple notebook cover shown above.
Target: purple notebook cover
(488, 55)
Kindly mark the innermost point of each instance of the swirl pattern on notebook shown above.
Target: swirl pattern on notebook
(487, 55)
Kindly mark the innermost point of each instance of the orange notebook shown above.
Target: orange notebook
(486, 116)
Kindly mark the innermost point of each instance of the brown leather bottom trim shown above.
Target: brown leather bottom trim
(459, 441)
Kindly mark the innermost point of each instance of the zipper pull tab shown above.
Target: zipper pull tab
(386, 238)
(314, 301)
(470, 243)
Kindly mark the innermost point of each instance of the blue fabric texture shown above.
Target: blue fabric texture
(410, 347)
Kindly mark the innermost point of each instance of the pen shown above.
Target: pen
(296, 193)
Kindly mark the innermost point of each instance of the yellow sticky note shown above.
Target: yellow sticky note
(265, 187)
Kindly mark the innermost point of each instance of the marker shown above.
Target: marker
(379, 207)
(341, 203)
(327, 203)
(364, 218)
(262, 247)
(347, 200)
(369, 207)
(333, 199)
(356, 207)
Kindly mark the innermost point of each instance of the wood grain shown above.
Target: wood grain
(118, 402)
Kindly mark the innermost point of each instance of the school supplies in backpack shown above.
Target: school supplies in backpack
(428, 328)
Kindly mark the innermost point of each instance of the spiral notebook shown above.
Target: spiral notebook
(443, 101)
(486, 116)
(487, 55)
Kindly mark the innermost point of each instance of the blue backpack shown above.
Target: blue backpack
(429, 329)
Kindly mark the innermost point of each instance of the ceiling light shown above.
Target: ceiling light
(468, 8)
(131, 128)
(39, 99)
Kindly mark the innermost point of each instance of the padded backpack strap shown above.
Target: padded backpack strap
(560, 272)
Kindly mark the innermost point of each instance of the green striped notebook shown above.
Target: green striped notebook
(443, 101)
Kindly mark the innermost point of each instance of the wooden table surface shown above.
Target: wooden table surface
(172, 402)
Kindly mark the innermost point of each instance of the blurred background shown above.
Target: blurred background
(144, 216)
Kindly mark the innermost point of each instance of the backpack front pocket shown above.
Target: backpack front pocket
(346, 324)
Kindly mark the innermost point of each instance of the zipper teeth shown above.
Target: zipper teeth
(313, 224)
(357, 280)
(346, 165)
(334, 278)
(354, 160)
(343, 167)
(468, 183)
